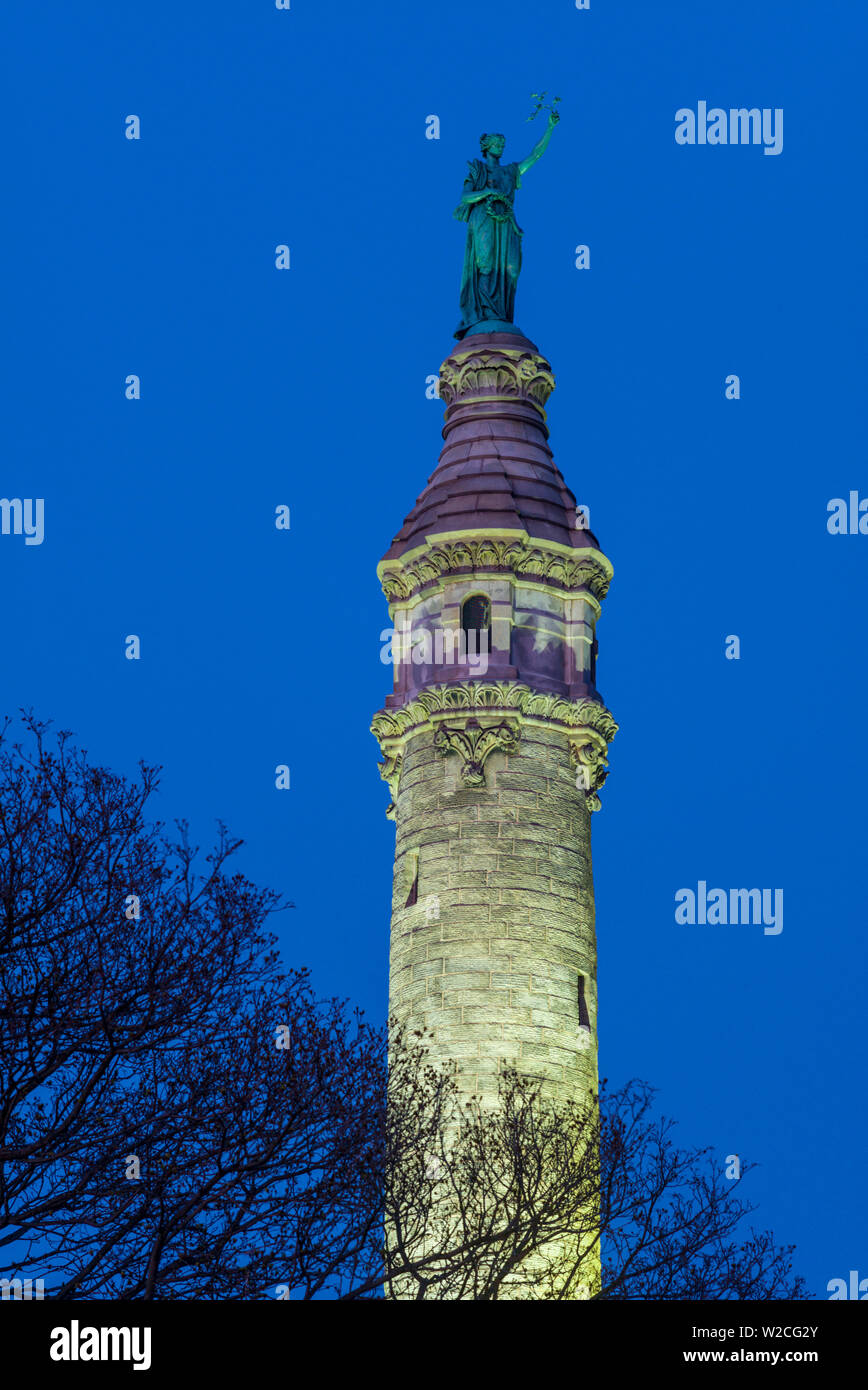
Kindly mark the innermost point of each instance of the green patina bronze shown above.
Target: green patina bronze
(492, 257)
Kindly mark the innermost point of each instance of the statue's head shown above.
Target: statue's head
(492, 144)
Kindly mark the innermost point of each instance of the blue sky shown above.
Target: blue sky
(307, 387)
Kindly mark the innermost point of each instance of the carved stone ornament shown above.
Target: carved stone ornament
(587, 723)
(473, 743)
(588, 756)
(569, 572)
(509, 373)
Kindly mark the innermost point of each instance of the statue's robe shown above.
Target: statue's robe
(492, 256)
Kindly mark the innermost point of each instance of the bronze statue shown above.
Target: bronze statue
(492, 257)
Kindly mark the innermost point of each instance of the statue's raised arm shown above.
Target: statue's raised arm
(540, 146)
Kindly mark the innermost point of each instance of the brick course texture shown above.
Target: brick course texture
(488, 958)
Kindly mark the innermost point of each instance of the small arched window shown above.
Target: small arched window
(476, 623)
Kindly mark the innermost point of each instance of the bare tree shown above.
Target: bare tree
(532, 1199)
(180, 1116)
(480, 1201)
(672, 1222)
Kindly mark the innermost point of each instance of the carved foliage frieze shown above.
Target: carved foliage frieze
(455, 712)
(497, 371)
(589, 571)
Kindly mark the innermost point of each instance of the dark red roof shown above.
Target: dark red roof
(496, 470)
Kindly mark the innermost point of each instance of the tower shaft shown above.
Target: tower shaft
(494, 740)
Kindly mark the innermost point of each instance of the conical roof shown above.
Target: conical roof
(496, 471)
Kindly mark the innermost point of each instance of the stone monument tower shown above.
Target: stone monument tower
(494, 737)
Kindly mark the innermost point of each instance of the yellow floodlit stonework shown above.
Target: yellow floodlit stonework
(494, 775)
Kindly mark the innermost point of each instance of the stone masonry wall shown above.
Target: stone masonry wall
(488, 958)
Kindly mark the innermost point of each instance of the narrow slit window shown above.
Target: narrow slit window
(584, 1016)
(413, 895)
